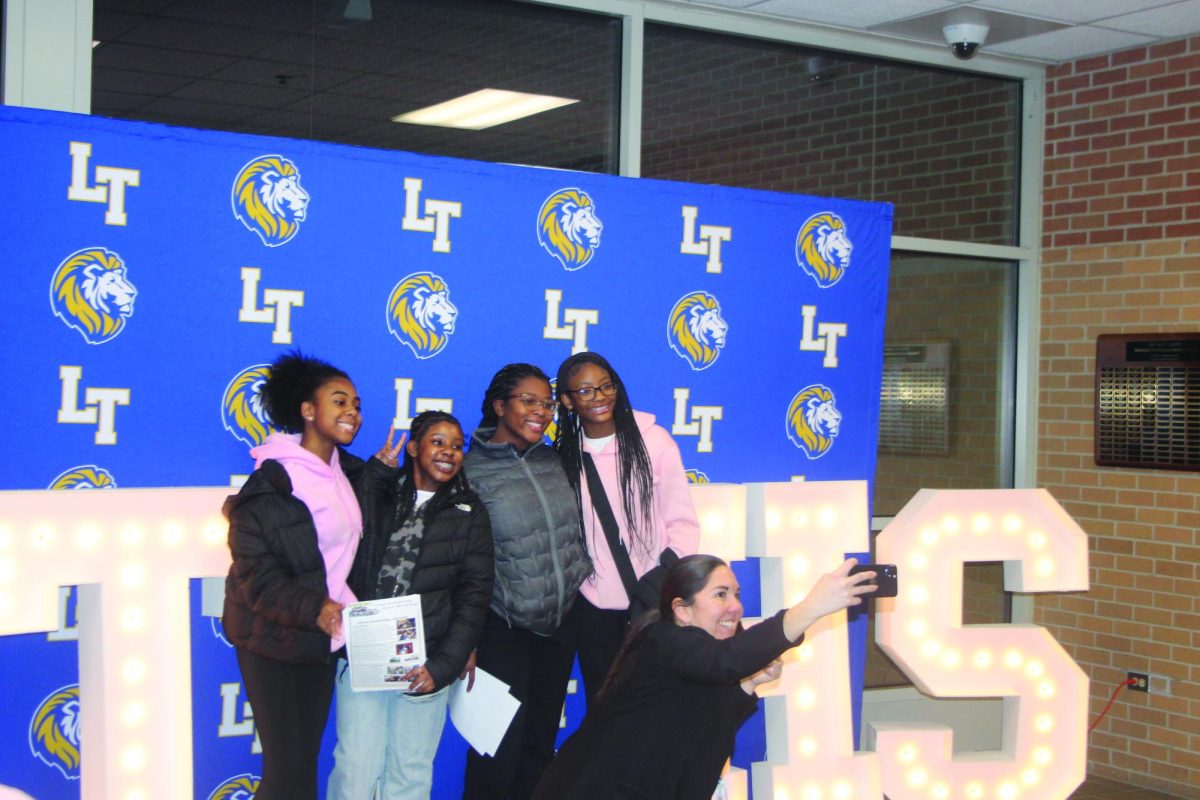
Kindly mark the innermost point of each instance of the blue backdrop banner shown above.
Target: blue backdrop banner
(159, 270)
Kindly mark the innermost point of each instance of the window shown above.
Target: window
(339, 70)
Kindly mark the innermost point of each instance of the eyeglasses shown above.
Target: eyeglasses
(588, 392)
(530, 402)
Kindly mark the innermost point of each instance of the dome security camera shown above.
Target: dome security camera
(965, 38)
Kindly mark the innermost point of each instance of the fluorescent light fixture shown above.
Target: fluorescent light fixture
(483, 109)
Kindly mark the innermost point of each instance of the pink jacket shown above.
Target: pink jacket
(674, 524)
(336, 515)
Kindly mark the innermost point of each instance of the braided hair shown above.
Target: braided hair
(502, 385)
(406, 490)
(635, 476)
(293, 381)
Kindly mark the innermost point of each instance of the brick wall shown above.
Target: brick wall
(1121, 254)
(946, 299)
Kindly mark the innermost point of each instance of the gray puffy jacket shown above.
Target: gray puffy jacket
(540, 556)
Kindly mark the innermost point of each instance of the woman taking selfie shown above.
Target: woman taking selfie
(629, 478)
(293, 532)
(425, 533)
(664, 723)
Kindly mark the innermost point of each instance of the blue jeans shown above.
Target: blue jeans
(389, 738)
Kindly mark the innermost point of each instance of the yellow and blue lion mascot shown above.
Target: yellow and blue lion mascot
(568, 227)
(242, 410)
(239, 787)
(269, 200)
(420, 314)
(823, 248)
(85, 476)
(54, 731)
(91, 292)
(813, 420)
(696, 330)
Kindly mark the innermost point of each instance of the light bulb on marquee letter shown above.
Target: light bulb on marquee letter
(130, 585)
(1043, 755)
(810, 740)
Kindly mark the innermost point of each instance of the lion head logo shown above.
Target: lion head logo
(696, 330)
(269, 200)
(86, 476)
(695, 476)
(242, 410)
(91, 293)
(813, 420)
(239, 787)
(54, 731)
(420, 314)
(568, 227)
(823, 249)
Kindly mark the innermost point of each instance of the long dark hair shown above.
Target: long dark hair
(406, 490)
(502, 385)
(683, 580)
(635, 476)
(293, 381)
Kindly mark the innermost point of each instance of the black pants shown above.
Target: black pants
(291, 706)
(537, 669)
(595, 635)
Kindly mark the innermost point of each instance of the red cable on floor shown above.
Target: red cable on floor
(1111, 700)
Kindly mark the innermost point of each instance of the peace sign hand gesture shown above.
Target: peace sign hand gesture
(391, 455)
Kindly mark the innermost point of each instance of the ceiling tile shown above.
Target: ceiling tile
(1078, 11)
(1072, 43)
(1167, 21)
(851, 15)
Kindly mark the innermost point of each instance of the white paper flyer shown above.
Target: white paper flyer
(385, 639)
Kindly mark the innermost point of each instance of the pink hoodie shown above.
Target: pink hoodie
(326, 491)
(674, 523)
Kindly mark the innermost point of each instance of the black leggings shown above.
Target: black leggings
(291, 706)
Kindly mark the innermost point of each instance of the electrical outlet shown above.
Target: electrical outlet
(1140, 682)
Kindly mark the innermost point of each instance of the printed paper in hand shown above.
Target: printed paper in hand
(384, 640)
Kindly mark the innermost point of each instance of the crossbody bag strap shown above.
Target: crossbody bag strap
(609, 523)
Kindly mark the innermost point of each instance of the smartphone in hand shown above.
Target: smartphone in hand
(885, 578)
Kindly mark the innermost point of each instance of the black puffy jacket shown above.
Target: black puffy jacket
(276, 584)
(453, 573)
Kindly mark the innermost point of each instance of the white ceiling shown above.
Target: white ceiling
(1052, 31)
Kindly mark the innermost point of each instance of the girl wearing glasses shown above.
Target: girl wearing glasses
(540, 563)
(640, 469)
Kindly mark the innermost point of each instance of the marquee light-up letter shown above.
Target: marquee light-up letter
(803, 530)
(131, 551)
(1043, 750)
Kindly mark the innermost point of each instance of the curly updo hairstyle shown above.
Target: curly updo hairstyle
(294, 380)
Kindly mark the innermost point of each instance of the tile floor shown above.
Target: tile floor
(1095, 788)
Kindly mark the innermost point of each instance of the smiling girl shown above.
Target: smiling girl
(426, 532)
(293, 532)
(540, 562)
(641, 474)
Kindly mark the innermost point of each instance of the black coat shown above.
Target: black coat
(664, 729)
(453, 572)
(276, 584)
